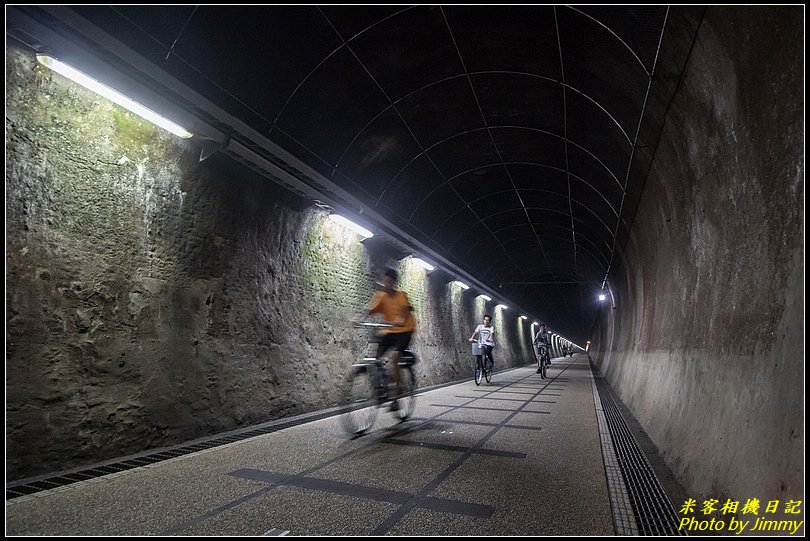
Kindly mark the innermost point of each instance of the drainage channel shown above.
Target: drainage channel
(50, 483)
(640, 504)
(26, 488)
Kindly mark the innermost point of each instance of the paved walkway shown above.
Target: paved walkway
(520, 456)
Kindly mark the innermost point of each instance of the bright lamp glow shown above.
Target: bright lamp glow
(523, 317)
(91, 84)
(462, 285)
(485, 297)
(602, 297)
(362, 231)
(424, 264)
(501, 306)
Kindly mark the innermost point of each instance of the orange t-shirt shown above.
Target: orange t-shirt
(394, 308)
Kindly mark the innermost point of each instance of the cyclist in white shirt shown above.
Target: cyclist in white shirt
(486, 340)
(541, 339)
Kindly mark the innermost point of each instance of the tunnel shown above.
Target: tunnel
(201, 202)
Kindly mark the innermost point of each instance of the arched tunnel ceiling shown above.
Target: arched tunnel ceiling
(502, 137)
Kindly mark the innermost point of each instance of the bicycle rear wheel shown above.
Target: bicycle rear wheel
(407, 400)
(488, 375)
(359, 396)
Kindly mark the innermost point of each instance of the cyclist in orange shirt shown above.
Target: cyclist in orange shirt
(396, 309)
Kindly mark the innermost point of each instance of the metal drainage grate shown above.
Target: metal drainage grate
(32, 487)
(652, 509)
(25, 489)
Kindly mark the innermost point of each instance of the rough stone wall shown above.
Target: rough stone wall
(151, 299)
(706, 343)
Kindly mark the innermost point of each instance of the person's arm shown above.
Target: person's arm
(473, 335)
(376, 304)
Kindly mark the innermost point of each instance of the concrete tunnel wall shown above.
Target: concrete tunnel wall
(152, 299)
(705, 345)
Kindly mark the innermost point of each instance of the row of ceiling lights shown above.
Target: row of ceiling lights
(153, 117)
(366, 234)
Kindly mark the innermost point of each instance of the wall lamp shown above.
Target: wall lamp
(91, 84)
(523, 317)
(424, 264)
(501, 306)
(462, 285)
(485, 297)
(602, 297)
(362, 231)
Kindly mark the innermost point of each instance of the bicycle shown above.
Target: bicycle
(367, 389)
(481, 371)
(543, 360)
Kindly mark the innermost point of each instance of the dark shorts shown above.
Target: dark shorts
(397, 340)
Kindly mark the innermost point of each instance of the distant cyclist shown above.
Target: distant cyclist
(542, 340)
(486, 341)
(395, 309)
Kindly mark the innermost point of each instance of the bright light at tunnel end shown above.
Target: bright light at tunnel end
(362, 231)
(91, 84)
(602, 297)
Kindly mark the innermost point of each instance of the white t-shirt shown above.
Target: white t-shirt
(541, 337)
(485, 335)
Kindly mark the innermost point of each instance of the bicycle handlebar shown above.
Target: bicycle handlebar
(361, 324)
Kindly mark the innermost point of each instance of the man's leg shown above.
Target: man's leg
(395, 357)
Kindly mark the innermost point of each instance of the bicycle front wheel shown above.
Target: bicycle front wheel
(407, 400)
(359, 396)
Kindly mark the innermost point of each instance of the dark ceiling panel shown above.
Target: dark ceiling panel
(589, 209)
(335, 104)
(514, 230)
(258, 53)
(537, 177)
(292, 146)
(637, 26)
(441, 110)
(530, 145)
(146, 28)
(450, 229)
(545, 200)
(599, 66)
(411, 185)
(501, 202)
(477, 234)
(378, 153)
(520, 100)
(506, 38)
(591, 129)
(595, 232)
(351, 185)
(483, 182)
(588, 169)
(582, 192)
(545, 220)
(506, 218)
(408, 51)
(431, 215)
(598, 251)
(351, 20)
(463, 153)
